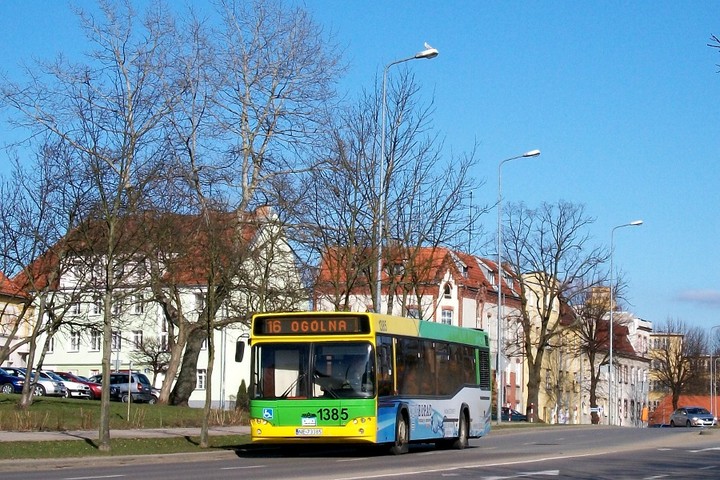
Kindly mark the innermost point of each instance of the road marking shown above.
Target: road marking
(704, 450)
(547, 473)
(655, 477)
(247, 467)
(478, 465)
(91, 478)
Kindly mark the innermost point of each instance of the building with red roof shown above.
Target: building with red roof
(14, 327)
(164, 264)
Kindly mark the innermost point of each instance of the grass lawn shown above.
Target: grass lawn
(59, 414)
(119, 446)
(50, 414)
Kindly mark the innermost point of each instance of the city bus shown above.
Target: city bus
(348, 377)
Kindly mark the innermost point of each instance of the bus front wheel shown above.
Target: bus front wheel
(402, 435)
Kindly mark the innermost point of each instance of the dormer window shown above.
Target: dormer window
(465, 271)
(447, 291)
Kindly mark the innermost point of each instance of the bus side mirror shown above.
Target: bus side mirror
(239, 350)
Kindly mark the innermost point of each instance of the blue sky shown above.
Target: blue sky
(622, 98)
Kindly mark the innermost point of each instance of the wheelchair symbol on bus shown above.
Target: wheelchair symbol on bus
(267, 413)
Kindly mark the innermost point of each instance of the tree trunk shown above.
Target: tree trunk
(187, 379)
(675, 399)
(533, 387)
(594, 416)
(176, 354)
(204, 431)
(104, 429)
(26, 398)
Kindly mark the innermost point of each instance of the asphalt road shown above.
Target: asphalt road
(584, 452)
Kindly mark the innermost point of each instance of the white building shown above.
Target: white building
(140, 314)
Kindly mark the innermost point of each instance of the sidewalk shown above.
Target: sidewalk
(116, 433)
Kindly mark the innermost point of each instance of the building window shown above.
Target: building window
(95, 340)
(199, 302)
(118, 271)
(137, 339)
(138, 304)
(447, 291)
(116, 341)
(447, 317)
(97, 306)
(204, 345)
(201, 379)
(76, 309)
(164, 336)
(74, 341)
(413, 312)
(547, 380)
(116, 306)
(51, 345)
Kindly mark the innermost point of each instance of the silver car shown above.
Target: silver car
(45, 385)
(692, 417)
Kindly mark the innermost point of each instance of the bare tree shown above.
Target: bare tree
(153, 354)
(272, 75)
(678, 357)
(110, 112)
(548, 251)
(592, 307)
(35, 212)
(424, 199)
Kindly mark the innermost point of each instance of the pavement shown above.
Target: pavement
(6, 436)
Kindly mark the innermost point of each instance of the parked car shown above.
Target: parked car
(46, 385)
(95, 388)
(139, 386)
(75, 386)
(510, 415)
(10, 383)
(692, 417)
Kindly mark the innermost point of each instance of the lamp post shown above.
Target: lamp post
(428, 53)
(611, 383)
(713, 393)
(715, 387)
(498, 376)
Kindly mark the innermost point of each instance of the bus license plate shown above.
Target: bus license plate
(302, 432)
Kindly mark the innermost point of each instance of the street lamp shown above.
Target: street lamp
(713, 393)
(611, 388)
(428, 53)
(498, 377)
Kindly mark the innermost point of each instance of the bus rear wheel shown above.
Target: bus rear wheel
(402, 435)
(461, 441)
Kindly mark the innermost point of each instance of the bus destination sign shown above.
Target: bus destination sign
(311, 325)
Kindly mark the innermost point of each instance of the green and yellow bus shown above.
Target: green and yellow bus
(335, 377)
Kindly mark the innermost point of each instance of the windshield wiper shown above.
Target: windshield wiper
(292, 385)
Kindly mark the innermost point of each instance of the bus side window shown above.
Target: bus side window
(384, 365)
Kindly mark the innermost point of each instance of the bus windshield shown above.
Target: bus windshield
(313, 370)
